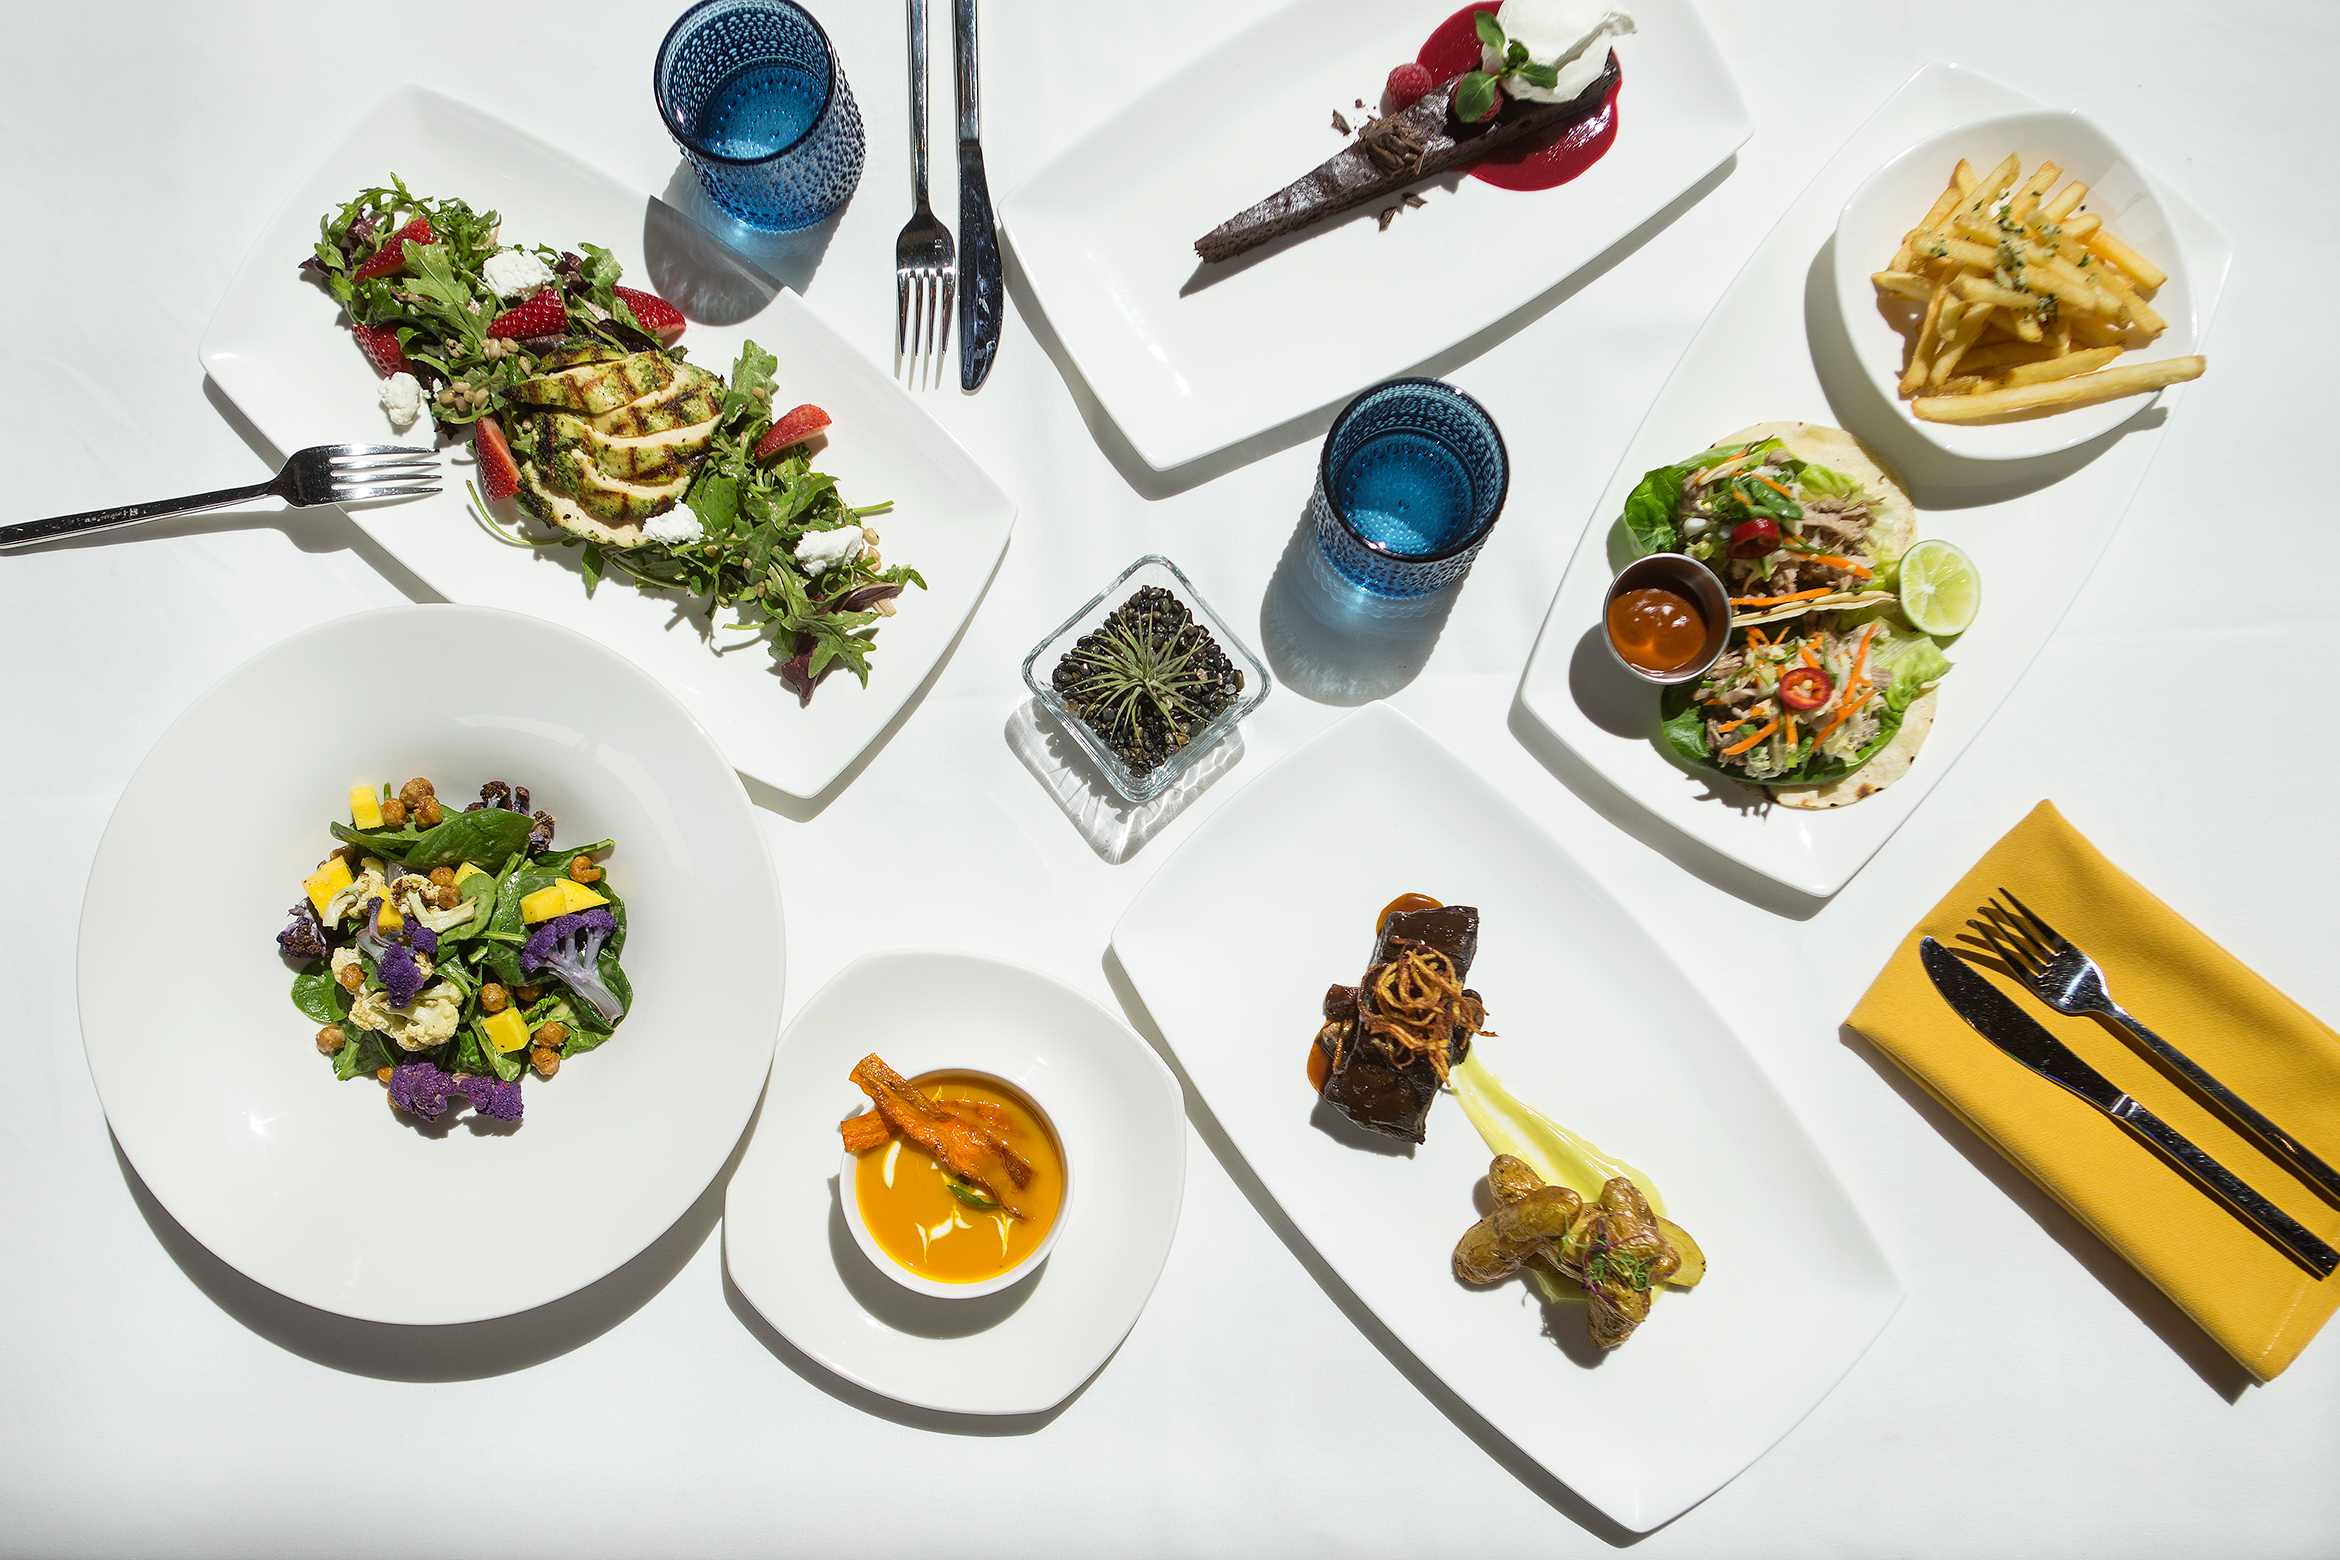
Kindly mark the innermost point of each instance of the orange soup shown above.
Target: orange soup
(910, 1208)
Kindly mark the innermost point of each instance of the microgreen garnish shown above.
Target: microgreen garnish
(1475, 94)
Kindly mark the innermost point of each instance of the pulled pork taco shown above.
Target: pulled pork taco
(1795, 517)
(1823, 714)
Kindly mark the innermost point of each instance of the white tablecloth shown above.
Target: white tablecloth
(2032, 1396)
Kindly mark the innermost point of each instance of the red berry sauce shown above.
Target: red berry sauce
(1543, 163)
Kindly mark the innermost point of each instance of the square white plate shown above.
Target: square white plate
(1776, 348)
(1106, 231)
(1597, 1028)
(278, 347)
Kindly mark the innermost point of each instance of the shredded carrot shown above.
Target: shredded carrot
(1861, 659)
(1756, 636)
(1742, 746)
(1809, 658)
(1773, 601)
(1775, 487)
(1855, 696)
(1761, 709)
(1846, 564)
(1790, 729)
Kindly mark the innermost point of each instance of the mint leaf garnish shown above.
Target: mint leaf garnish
(1474, 95)
(1490, 30)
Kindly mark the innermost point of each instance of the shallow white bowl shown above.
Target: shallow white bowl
(1897, 196)
(210, 1080)
(850, 1203)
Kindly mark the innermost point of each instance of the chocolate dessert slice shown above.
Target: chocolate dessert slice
(1393, 152)
(1384, 1088)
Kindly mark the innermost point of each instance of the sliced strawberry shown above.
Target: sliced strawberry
(393, 253)
(658, 317)
(791, 428)
(499, 473)
(542, 315)
(380, 345)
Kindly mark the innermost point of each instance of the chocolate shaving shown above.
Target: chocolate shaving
(1394, 143)
(1388, 215)
(1340, 124)
(1413, 199)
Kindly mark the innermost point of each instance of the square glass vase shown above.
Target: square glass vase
(1040, 667)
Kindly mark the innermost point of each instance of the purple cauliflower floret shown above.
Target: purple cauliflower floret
(304, 939)
(401, 976)
(495, 1098)
(420, 1089)
(423, 939)
(569, 946)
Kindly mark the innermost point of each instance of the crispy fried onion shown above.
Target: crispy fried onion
(1412, 1006)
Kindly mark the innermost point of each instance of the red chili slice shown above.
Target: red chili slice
(1805, 688)
(1755, 539)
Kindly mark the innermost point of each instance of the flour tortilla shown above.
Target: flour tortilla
(1875, 775)
(1892, 517)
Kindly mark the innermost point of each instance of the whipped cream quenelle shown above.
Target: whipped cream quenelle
(1571, 36)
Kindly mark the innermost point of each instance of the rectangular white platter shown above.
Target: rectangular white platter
(1596, 1027)
(1105, 232)
(1775, 348)
(280, 349)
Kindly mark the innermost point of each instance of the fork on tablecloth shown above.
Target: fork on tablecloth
(926, 267)
(320, 474)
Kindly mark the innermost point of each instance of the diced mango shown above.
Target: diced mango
(467, 870)
(506, 1031)
(365, 808)
(388, 920)
(562, 898)
(326, 881)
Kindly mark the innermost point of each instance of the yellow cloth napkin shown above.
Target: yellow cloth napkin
(2260, 1305)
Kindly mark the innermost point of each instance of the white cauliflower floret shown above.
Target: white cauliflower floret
(343, 958)
(440, 920)
(430, 1021)
(366, 885)
(410, 893)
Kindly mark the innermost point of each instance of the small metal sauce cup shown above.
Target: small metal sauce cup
(1685, 576)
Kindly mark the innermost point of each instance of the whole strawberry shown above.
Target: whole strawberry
(1408, 85)
(392, 256)
(656, 315)
(542, 315)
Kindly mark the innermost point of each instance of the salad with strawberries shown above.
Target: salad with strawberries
(588, 419)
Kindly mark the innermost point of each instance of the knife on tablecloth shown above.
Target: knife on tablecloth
(982, 292)
(2013, 1031)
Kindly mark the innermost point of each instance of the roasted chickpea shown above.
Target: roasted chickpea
(427, 812)
(445, 896)
(416, 791)
(443, 877)
(329, 1039)
(546, 1062)
(494, 998)
(583, 871)
(350, 857)
(393, 813)
(525, 994)
(384, 1073)
(555, 1035)
(352, 976)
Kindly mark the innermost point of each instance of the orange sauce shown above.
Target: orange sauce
(910, 1210)
(1657, 630)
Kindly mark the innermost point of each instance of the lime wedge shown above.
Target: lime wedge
(1941, 590)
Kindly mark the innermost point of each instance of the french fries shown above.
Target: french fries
(2028, 300)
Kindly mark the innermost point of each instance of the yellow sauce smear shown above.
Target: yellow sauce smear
(919, 1222)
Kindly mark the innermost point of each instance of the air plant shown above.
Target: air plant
(1147, 679)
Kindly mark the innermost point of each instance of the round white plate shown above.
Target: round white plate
(1897, 196)
(208, 1073)
(1116, 1109)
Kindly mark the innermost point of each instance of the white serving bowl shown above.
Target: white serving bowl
(884, 1262)
(1896, 198)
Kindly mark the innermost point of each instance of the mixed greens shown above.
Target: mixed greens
(583, 409)
(446, 953)
(1806, 706)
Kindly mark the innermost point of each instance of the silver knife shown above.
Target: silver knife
(2013, 1031)
(982, 292)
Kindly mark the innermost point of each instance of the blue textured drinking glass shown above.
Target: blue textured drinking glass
(1412, 479)
(757, 100)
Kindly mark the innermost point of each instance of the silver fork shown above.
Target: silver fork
(925, 264)
(320, 474)
(2069, 981)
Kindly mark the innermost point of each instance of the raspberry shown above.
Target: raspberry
(1408, 85)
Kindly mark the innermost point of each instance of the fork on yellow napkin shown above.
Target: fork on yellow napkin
(2260, 1305)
